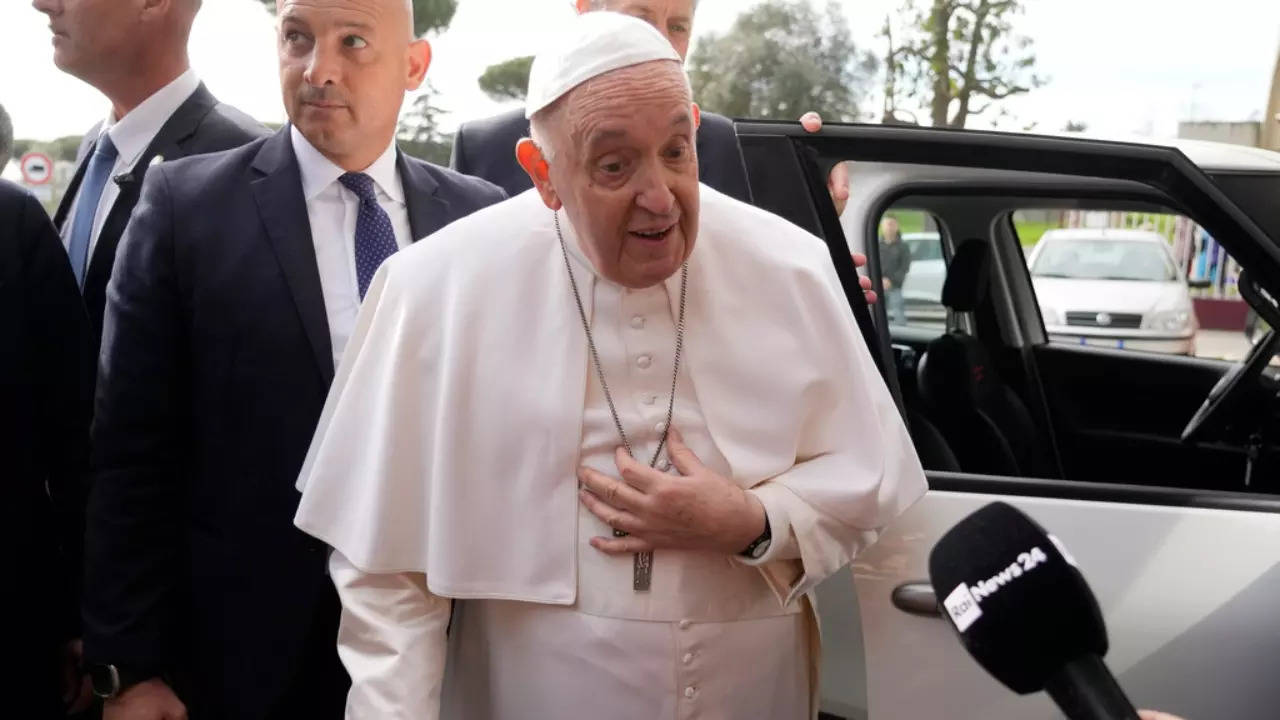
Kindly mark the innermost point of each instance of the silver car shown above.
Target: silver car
(1113, 288)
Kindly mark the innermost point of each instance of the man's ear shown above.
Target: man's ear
(582, 5)
(419, 61)
(530, 158)
(697, 116)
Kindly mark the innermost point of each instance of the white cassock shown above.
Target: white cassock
(444, 468)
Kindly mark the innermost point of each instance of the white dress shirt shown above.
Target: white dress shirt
(132, 135)
(332, 210)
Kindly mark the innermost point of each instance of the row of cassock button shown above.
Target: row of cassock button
(644, 362)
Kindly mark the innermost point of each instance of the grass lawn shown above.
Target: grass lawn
(1029, 232)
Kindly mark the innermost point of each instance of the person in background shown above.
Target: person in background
(45, 370)
(235, 289)
(135, 53)
(895, 263)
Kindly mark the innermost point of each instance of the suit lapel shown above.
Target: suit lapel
(179, 128)
(428, 212)
(278, 193)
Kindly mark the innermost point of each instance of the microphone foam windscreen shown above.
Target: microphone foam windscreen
(1015, 596)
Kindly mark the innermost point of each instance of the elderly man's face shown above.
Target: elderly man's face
(91, 34)
(344, 68)
(627, 172)
(672, 18)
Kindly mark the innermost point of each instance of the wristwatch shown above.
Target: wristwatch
(760, 545)
(110, 680)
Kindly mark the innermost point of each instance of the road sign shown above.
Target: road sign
(37, 168)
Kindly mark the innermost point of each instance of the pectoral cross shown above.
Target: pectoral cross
(641, 567)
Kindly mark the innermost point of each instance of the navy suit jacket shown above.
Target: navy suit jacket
(487, 148)
(45, 367)
(201, 124)
(215, 365)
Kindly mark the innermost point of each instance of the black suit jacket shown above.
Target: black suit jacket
(215, 365)
(201, 124)
(487, 148)
(45, 366)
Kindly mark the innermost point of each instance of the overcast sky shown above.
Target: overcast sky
(1122, 66)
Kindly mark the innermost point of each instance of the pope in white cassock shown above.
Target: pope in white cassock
(626, 422)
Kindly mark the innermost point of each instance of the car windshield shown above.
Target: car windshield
(1102, 259)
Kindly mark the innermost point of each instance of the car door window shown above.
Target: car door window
(1142, 281)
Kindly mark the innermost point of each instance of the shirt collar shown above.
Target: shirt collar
(134, 132)
(319, 172)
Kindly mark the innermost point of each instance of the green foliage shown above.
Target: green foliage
(419, 132)
(780, 60)
(958, 58)
(428, 15)
(507, 80)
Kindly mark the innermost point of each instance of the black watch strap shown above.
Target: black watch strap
(760, 545)
(110, 680)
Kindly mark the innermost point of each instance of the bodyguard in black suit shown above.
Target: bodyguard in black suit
(201, 124)
(487, 149)
(137, 58)
(232, 287)
(44, 442)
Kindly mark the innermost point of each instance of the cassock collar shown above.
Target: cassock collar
(319, 172)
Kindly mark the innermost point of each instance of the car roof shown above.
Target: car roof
(1209, 155)
(1125, 234)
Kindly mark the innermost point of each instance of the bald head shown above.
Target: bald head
(405, 8)
(345, 66)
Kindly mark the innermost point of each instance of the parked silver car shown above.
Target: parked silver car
(1113, 288)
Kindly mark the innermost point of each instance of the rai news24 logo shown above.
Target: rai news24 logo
(964, 604)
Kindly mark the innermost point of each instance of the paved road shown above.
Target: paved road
(1221, 344)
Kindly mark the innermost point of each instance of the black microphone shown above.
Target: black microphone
(1024, 611)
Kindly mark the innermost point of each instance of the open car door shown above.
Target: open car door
(1187, 571)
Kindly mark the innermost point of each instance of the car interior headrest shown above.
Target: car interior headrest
(968, 276)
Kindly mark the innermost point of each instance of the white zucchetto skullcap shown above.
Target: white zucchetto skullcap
(590, 45)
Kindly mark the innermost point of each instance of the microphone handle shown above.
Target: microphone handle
(1084, 689)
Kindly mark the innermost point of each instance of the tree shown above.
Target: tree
(419, 132)
(508, 80)
(1075, 126)
(428, 15)
(961, 57)
(781, 59)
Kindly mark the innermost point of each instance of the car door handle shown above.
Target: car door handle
(917, 599)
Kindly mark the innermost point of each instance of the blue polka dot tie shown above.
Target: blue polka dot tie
(375, 239)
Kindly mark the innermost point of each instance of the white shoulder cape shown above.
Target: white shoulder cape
(449, 440)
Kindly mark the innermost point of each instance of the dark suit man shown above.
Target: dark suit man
(136, 55)
(45, 368)
(201, 124)
(236, 285)
(487, 148)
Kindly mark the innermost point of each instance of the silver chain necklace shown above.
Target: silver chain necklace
(642, 568)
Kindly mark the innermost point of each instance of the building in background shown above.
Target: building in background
(1270, 134)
